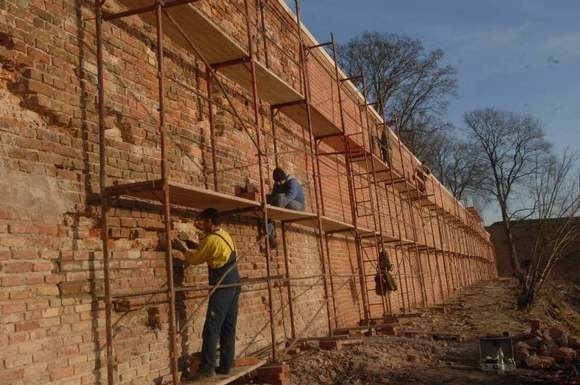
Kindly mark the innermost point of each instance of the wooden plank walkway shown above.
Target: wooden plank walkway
(235, 374)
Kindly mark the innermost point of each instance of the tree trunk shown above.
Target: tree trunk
(513, 254)
(526, 299)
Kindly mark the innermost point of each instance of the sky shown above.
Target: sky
(517, 55)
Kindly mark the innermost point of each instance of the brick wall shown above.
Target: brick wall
(51, 272)
(525, 234)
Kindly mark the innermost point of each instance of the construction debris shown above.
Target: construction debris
(445, 348)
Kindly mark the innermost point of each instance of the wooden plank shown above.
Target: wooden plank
(235, 374)
(390, 238)
(182, 195)
(321, 126)
(363, 232)
(217, 46)
(328, 224)
(339, 144)
(280, 214)
(333, 225)
(212, 42)
(271, 88)
(375, 161)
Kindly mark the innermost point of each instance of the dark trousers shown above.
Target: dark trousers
(280, 200)
(220, 326)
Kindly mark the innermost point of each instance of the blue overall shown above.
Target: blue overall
(221, 318)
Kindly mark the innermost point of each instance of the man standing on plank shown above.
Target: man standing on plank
(217, 249)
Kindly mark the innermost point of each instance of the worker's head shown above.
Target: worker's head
(208, 219)
(278, 175)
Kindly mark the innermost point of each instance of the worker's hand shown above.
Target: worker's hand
(178, 245)
(178, 255)
(191, 244)
(184, 237)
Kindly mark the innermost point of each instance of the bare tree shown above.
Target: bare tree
(409, 84)
(460, 168)
(511, 145)
(427, 138)
(555, 194)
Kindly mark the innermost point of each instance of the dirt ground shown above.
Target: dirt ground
(484, 309)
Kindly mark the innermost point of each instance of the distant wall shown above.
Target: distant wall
(568, 267)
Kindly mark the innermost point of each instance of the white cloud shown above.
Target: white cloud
(494, 37)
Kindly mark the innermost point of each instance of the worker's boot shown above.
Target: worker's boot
(268, 230)
(222, 371)
(197, 376)
(272, 235)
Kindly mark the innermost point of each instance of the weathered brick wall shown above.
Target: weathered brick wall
(525, 233)
(51, 272)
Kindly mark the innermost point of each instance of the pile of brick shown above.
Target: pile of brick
(545, 348)
(275, 374)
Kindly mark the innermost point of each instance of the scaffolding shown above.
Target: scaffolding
(373, 182)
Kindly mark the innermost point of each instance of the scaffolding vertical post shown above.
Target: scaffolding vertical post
(404, 222)
(208, 80)
(404, 252)
(288, 284)
(103, 186)
(417, 252)
(316, 178)
(264, 204)
(263, 27)
(428, 252)
(399, 235)
(435, 251)
(373, 187)
(358, 240)
(444, 244)
(166, 205)
(333, 296)
(274, 140)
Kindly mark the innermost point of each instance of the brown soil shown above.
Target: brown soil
(487, 308)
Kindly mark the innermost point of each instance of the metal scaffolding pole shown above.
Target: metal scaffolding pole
(264, 205)
(373, 188)
(166, 205)
(401, 198)
(427, 249)
(445, 244)
(398, 234)
(317, 184)
(349, 172)
(440, 278)
(104, 197)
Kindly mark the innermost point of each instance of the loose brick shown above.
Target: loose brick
(18, 267)
(26, 326)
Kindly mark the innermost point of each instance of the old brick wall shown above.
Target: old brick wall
(51, 273)
(525, 234)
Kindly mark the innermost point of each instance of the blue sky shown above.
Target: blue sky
(519, 55)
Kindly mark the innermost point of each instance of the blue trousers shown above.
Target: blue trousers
(281, 200)
(220, 326)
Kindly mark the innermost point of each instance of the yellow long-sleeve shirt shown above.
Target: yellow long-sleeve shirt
(212, 249)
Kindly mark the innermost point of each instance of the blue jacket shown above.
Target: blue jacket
(292, 188)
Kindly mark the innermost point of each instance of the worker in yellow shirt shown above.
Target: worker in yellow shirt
(217, 249)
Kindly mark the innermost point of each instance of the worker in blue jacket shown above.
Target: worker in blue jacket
(287, 193)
